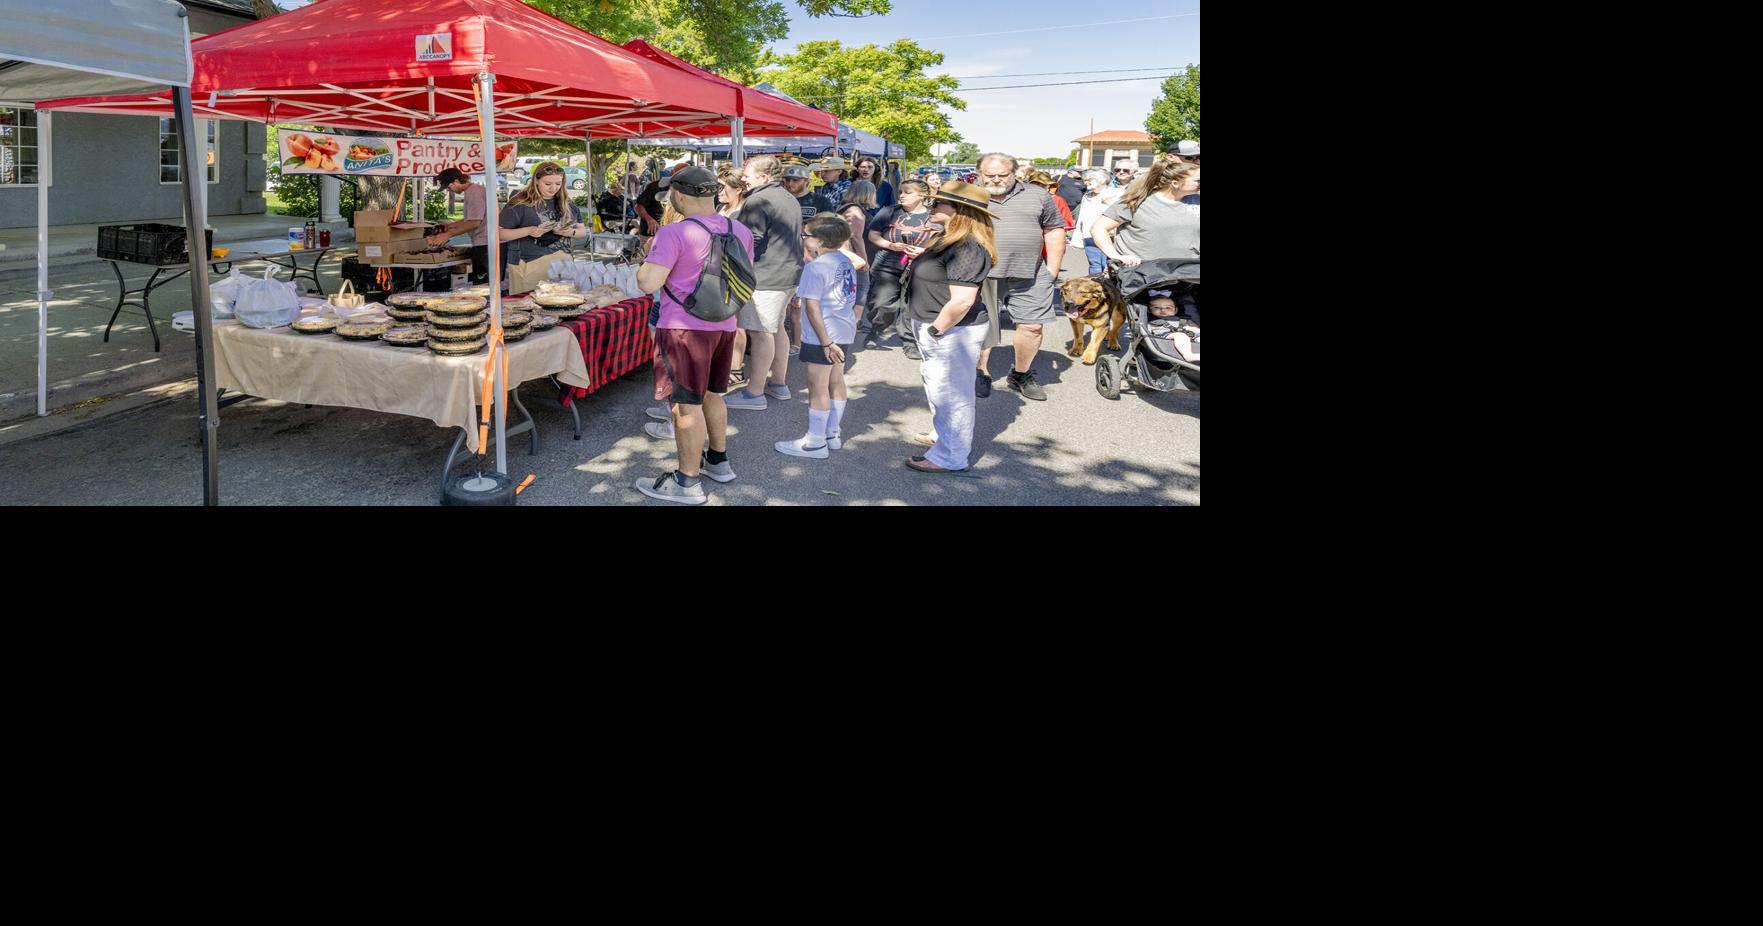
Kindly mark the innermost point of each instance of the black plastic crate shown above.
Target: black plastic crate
(147, 243)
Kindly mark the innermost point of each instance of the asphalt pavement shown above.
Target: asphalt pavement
(1075, 449)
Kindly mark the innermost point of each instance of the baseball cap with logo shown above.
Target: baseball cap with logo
(796, 172)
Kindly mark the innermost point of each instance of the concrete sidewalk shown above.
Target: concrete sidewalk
(84, 370)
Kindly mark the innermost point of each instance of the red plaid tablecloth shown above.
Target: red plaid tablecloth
(614, 339)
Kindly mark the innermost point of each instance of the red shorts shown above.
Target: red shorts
(689, 364)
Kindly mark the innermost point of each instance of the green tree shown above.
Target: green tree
(1175, 115)
(883, 90)
(725, 36)
(965, 153)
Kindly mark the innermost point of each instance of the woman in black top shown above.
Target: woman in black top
(539, 220)
(942, 295)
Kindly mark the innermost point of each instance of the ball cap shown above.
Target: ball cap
(1187, 149)
(694, 181)
(796, 172)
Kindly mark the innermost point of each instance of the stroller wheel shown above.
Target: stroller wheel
(1108, 376)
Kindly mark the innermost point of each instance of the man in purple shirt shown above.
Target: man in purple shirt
(692, 356)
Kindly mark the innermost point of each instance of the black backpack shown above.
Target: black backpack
(725, 285)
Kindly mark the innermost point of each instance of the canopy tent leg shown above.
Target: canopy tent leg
(487, 124)
(737, 149)
(46, 141)
(195, 171)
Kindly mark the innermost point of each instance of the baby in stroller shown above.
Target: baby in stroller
(1182, 335)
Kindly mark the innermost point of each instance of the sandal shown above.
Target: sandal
(926, 466)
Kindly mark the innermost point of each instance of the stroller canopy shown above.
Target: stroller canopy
(1158, 274)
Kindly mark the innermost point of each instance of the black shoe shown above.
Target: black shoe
(911, 351)
(1025, 384)
(982, 385)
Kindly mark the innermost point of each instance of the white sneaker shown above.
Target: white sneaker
(662, 412)
(802, 447)
(660, 430)
(667, 490)
(833, 442)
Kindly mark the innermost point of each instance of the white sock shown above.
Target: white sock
(817, 427)
(838, 412)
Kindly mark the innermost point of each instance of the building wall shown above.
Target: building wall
(106, 169)
(1109, 152)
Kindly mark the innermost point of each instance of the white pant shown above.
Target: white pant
(951, 363)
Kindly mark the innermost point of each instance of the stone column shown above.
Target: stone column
(329, 195)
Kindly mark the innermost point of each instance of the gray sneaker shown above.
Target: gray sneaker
(662, 412)
(778, 391)
(660, 430)
(740, 399)
(1025, 384)
(668, 489)
(721, 472)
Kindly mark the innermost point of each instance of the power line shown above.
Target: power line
(1160, 67)
(1069, 83)
(1116, 22)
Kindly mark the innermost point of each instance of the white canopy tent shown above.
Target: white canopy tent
(106, 47)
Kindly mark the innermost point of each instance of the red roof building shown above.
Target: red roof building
(1104, 148)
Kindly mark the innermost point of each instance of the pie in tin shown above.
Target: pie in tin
(406, 335)
(459, 321)
(317, 324)
(541, 321)
(456, 348)
(454, 305)
(362, 331)
(457, 334)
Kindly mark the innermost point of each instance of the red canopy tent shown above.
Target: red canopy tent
(759, 111)
(452, 67)
(355, 64)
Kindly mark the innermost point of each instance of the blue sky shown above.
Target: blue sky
(1038, 121)
(1066, 36)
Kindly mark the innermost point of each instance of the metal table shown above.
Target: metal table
(220, 265)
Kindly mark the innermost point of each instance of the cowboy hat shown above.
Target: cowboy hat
(966, 194)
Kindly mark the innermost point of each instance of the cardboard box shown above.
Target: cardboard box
(403, 252)
(375, 225)
(387, 252)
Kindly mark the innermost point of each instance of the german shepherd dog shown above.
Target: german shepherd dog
(1097, 303)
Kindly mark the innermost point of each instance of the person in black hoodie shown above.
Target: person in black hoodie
(1071, 189)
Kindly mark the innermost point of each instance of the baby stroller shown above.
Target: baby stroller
(1146, 362)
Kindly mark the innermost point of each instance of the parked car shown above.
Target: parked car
(576, 178)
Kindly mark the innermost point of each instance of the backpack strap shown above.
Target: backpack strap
(713, 233)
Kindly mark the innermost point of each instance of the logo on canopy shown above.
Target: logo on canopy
(435, 47)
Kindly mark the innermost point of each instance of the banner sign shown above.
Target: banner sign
(372, 156)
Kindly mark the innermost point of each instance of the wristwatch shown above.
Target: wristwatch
(932, 330)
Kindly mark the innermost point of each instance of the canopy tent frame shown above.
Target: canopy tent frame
(148, 46)
(500, 63)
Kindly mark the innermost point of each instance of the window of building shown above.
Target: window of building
(170, 168)
(20, 146)
(1147, 158)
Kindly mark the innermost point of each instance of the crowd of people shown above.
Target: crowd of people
(950, 266)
